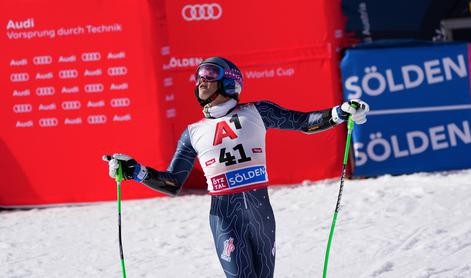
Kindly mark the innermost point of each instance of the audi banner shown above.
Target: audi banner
(83, 79)
(287, 54)
(77, 83)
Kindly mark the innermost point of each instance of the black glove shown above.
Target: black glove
(131, 169)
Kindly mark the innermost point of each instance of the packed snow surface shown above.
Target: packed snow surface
(405, 226)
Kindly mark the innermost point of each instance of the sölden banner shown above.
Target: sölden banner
(420, 107)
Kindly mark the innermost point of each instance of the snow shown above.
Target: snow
(393, 226)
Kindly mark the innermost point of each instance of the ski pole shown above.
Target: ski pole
(118, 179)
(337, 207)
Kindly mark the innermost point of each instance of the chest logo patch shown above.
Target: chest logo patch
(223, 130)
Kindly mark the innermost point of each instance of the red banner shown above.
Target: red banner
(83, 79)
(287, 54)
(77, 83)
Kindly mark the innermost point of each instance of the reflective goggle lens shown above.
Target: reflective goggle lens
(209, 73)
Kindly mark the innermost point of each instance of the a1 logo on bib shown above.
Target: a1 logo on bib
(224, 130)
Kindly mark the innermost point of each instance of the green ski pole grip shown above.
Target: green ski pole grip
(119, 177)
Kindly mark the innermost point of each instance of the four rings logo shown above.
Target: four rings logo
(120, 102)
(67, 74)
(202, 12)
(22, 108)
(165, 50)
(42, 60)
(94, 88)
(19, 77)
(45, 91)
(96, 119)
(71, 105)
(168, 82)
(46, 122)
(117, 71)
(91, 56)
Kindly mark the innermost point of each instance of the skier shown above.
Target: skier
(230, 145)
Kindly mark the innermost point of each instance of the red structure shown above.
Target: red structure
(84, 79)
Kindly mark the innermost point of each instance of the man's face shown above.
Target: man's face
(206, 89)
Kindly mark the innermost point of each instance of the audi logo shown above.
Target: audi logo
(117, 71)
(22, 108)
(45, 91)
(94, 88)
(168, 82)
(120, 102)
(91, 56)
(71, 105)
(70, 90)
(67, 74)
(17, 93)
(169, 97)
(122, 86)
(46, 122)
(42, 60)
(202, 12)
(171, 113)
(165, 50)
(19, 77)
(96, 119)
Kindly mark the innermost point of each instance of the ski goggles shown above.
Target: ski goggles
(211, 73)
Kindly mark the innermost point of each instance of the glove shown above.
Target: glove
(131, 169)
(355, 107)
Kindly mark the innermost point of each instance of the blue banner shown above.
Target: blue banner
(245, 176)
(420, 104)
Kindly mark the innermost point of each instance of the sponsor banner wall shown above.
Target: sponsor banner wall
(287, 54)
(77, 82)
(420, 108)
(83, 79)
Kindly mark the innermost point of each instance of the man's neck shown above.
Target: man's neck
(219, 110)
